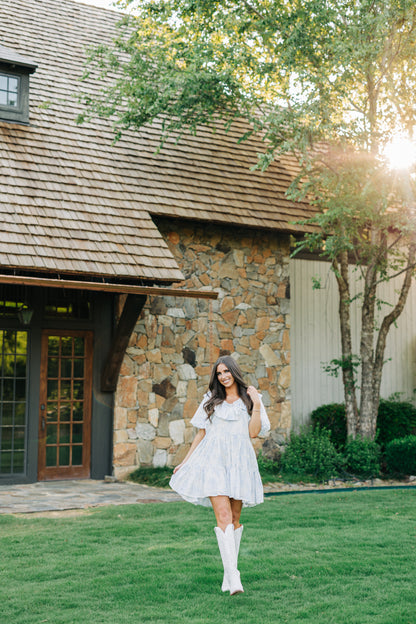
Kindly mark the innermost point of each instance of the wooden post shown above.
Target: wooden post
(131, 311)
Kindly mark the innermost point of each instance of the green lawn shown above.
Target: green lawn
(341, 558)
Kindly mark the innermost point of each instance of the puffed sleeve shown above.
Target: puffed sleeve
(200, 419)
(265, 422)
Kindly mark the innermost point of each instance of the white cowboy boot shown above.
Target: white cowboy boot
(226, 544)
(237, 538)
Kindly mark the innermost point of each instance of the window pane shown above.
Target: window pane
(12, 99)
(13, 82)
(66, 345)
(78, 346)
(66, 368)
(78, 389)
(78, 368)
(8, 389)
(64, 455)
(3, 82)
(53, 367)
(6, 438)
(65, 388)
(19, 439)
(20, 414)
(53, 345)
(77, 455)
(21, 342)
(77, 433)
(20, 366)
(3, 98)
(52, 434)
(7, 418)
(65, 412)
(8, 366)
(52, 390)
(78, 411)
(18, 461)
(64, 434)
(20, 390)
(51, 454)
(5, 462)
(52, 412)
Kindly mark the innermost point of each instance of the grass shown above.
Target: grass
(339, 558)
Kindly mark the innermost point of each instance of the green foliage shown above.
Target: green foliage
(362, 457)
(269, 469)
(312, 453)
(331, 417)
(396, 419)
(157, 477)
(400, 456)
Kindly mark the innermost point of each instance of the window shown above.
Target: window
(14, 85)
(9, 90)
(13, 377)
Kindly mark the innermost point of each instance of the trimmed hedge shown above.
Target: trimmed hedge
(396, 419)
(400, 456)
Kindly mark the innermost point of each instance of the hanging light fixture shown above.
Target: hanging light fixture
(25, 314)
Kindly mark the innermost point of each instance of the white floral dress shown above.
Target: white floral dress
(224, 462)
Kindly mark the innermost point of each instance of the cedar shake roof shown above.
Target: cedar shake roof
(72, 202)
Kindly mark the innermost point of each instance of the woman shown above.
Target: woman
(220, 468)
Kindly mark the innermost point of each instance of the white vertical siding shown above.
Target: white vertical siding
(315, 339)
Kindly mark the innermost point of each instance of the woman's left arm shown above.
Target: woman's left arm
(254, 426)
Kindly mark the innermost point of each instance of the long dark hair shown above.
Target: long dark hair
(217, 389)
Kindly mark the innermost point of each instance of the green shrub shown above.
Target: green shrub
(396, 419)
(269, 469)
(311, 453)
(362, 457)
(332, 417)
(157, 477)
(400, 456)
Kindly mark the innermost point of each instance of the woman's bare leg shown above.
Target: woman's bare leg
(222, 509)
(236, 506)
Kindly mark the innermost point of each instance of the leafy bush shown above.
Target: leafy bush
(400, 455)
(269, 469)
(311, 452)
(332, 417)
(158, 477)
(396, 419)
(362, 457)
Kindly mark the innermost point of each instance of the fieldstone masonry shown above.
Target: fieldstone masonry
(166, 368)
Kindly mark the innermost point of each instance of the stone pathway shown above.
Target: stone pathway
(52, 496)
(63, 497)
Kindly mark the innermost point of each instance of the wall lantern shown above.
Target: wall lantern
(25, 315)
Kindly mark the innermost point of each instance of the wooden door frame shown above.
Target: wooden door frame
(71, 472)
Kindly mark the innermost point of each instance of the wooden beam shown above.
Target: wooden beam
(131, 311)
(106, 287)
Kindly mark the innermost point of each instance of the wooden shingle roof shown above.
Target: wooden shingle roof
(72, 202)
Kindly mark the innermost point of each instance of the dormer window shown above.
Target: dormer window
(14, 86)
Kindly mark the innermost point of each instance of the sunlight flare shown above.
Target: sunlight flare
(400, 153)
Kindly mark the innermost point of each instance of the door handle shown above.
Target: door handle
(43, 422)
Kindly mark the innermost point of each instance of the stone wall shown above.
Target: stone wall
(167, 365)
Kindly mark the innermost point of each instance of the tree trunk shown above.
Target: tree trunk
(367, 353)
(351, 410)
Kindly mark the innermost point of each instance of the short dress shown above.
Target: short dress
(224, 462)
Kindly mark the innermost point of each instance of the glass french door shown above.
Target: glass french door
(65, 405)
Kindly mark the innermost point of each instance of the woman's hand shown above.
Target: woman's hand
(177, 467)
(254, 396)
